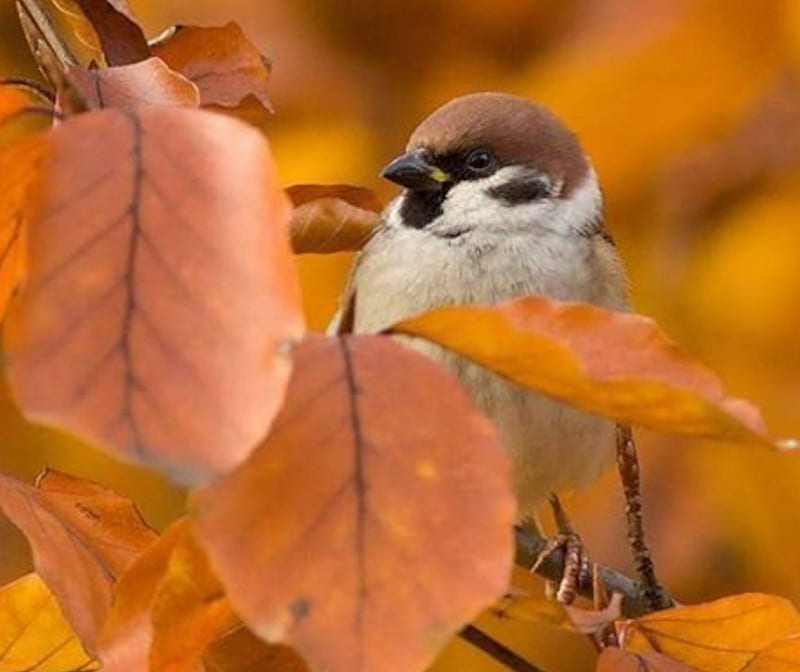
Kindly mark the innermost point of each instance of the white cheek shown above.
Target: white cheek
(469, 204)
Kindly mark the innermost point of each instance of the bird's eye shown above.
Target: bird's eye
(480, 161)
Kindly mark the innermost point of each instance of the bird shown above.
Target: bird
(498, 201)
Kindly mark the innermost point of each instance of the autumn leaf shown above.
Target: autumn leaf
(18, 168)
(168, 606)
(351, 532)
(99, 532)
(78, 32)
(222, 61)
(33, 633)
(59, 35)
(12, 102)
(616, 660)
(121, 38)
(615, 364)
(162, 295)
(148, 82)
(728, 635)
(332, 218)
(242, 651)
(781, 656)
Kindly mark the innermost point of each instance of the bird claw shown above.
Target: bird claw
(577, 567)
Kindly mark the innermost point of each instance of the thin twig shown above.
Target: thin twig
(496, 650)
(530, 544)
(628, 463)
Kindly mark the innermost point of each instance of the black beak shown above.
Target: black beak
(413, 172)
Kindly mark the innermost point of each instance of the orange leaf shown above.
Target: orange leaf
(149, 82)
(33, 633)
(18, 168)
(345, 533)
(331, 218)
(222, 61)
(242, 651)
(616, 660)
(727, 635)
(82, 535)
(12, 102)
(162, 293)
(782, 656)
(614, 364)
(168, 607)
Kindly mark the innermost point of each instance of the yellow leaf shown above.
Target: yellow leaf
(34, 636)
(728, 635)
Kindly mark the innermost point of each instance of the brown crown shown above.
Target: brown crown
(516, 130)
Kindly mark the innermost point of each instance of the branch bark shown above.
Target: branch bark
(635, 602)
(628, 464)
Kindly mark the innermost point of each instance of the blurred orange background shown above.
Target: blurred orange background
(690, 110)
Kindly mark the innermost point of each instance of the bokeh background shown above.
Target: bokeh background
(691, 112)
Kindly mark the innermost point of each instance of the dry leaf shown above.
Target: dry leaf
(82, 535)
(162, 294)
(149, 82)
(34, 636)
(351, 533)
(168, 607)
(616, 660)
(727, 635)
(223, 63)
(614, 364)
(332, 218)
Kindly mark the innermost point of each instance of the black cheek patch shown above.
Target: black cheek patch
(420, 208)
(520, 191)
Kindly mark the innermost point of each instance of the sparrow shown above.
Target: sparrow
(499, 201)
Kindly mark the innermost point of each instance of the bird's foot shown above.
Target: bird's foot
(577, 566)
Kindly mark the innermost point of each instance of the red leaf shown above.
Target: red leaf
(162, 293)
(351, 532)
(332, 218)
(83, 536)
(222, 61)
(149, 82)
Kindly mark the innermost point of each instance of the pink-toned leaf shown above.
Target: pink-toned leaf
(162, 297)
(338, 536)
(148, 82)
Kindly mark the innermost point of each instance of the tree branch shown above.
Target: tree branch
(628, 463)
(530, 544)
(496, 650)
